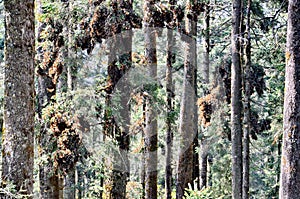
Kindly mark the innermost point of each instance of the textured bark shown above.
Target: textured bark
(290, 167)
(151, 115)
(170, 98)
(247, 121)
(236, 102)
(169, 132)
(187, 127)
(206, 63)
(18, 131)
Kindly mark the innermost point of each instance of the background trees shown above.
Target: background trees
(94, 94)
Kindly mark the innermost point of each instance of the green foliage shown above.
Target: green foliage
(194, 193)
(50, 10)
(9, 190)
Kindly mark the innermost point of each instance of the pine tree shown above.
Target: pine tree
(247, 95)
(170, 108)
(151, 115)
(188, 114)
(290, 168)
(206, 66)
(18, 133)
(236, 102)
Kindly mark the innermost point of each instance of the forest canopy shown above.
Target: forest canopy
(149, 99)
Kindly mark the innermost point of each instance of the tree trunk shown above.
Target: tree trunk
(169, 133)
(206, 63)
(143, 159)
(236, 103)
(80, 181)
(206, 44)
(68, 85)
(247, 121)
(151, 115)
(193, 59)
(122, 168)
(279, 147)
(18, 131)
(69, 185)
(290, 168)
(188, 127)
(204, 168)
(121, 50)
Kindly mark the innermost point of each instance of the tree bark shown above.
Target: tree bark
(169, 132)
(290, 167)
(170, 98)
(18, 131)
(247, 121)
(236, 102)
(206, 63)
(188, 127)
(151, 115)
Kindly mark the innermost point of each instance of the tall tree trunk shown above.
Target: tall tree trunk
(206, 63)
(69, 69)
(206, 44)
(188, 127)
(204, 165)
(196, 165)
(122, 50)
(279, 147)
(247, 121)
(290, 167)
(110, 128)
(193, 34)
(169, 133)
(80, 181)
(18, 133)
(151, 115)
(236, 102)
(143, 159)
(170, 98)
